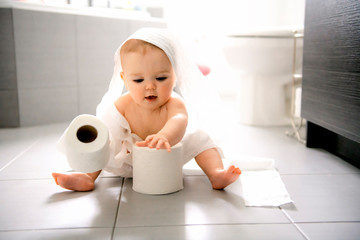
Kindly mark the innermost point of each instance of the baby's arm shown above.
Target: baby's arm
(174, 129)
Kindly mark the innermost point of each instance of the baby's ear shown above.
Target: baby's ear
(122, 75)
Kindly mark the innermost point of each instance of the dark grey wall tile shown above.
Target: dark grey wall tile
(7, 51)
(9, 111)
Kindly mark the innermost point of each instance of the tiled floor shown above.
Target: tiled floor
(325, 190)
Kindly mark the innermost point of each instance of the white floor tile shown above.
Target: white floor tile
(41, 204)
(323, 198)
(197, 203)
(332, 231)
(35, 165)
(60, 234)
(209, 232)
(324, 189)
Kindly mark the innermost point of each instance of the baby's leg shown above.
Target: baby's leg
(76, 181)
(210, 162)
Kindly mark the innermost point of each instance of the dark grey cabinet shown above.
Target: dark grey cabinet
(331, 76)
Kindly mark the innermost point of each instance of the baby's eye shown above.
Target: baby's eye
(138, 80)
(161, 78)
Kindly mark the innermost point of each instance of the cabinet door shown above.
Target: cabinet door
(331, 66)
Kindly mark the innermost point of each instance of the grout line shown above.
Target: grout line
(335, 222)
(51, 229)
(118, 208)
(77, 80)
(18, 156)
(318, 174)
(295, 225)
(202, 224)
(168, 226)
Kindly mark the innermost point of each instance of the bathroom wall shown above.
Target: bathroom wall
(207, 22)
(210, 17)
(63, 63)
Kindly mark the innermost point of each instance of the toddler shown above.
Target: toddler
(151, 114)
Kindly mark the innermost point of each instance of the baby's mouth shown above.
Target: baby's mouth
(151, 97)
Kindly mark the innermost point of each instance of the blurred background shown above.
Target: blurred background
(58, 54)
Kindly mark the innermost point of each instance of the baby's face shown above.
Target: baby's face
(149, 78)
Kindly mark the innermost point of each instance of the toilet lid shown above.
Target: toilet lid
(268, 33)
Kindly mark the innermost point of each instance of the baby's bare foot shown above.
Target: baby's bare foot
(74, 181)
(223, 178)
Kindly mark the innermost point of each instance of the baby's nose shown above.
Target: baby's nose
(150, 85)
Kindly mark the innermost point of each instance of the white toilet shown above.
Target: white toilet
(262, 62)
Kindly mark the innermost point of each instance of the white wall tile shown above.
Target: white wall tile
(45, 49)
(97, 40)
(44, 106)
(137, 24)
(90, 97)
(64, 62)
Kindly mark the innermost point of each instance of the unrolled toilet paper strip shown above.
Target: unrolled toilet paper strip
(157, 171)
(86, 144)
(261, 183)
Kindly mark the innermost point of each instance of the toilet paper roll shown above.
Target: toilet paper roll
(157, 171)
(86, 144)
(249, 163)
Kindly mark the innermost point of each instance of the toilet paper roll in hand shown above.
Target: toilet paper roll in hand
(86, 144)
(157, 171)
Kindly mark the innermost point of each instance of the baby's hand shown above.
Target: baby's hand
(156, 140)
